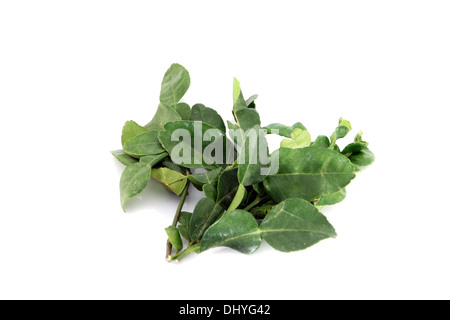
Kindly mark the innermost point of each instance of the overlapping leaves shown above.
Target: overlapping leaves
(249, 195)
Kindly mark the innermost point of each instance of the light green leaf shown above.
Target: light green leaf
(236, 90)
(164, 114)
(175, 83)
(237, 229)
(308, 173)
(295, 224)
(332, 198)
(283, 130)
(144, 144)
(207, 115)
(123, 157)
(174, 237)
(191, 150)
(341, 131)
(172, 180)
(134, 179)
(300, 139)
(237, 200)
(130, 130)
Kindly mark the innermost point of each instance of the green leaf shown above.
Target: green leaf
(134, 179)
(332, 198)
(200, 179)
(251, 161)
(358, 137)
(227, 187)
(130, 130)
(236, 90)
(154, 159)
(283, 130)
(300, 139)
(183, 226)
(237, 200)
(175, 83)
(363, 158)
(173, 166)
(239, 102)
(321, 142)
(144, 144)
(237, 229)
(183, 110)
(354, 148)
(210, 190)
(295, 224)
(206, 212)
(163, 115)
(251, 101)
(183, 140)
(308, 173)
(123, 157)
(174, 237)
(247, 118)
(341, 131)
(171, 179)
(207, 115)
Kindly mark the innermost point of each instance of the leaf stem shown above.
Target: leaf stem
(180, 256)
(254, 203)
(177, 215)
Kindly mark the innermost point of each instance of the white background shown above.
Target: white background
(72, 72)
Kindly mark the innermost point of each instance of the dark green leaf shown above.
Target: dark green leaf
(154, 159)
(237, 229)
(210, 190)
(321, 142)
(247, 118)
(332, 198)
(206, 212)
(174, 237)
(363, 158)
(187, 152)
(295, 224)
(164, 114)
(251, 101)
(253, 155)
(130, 130)
(309, 173)
(227, 187)
(173, 166)
(144, 144)
(183, 110)
(175, 83)
(207, 115)
(354, 148)
(200, 179)
(123, 157)
(184, 222)
(134, 179)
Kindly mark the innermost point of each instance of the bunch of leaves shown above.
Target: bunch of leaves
(243, 204)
